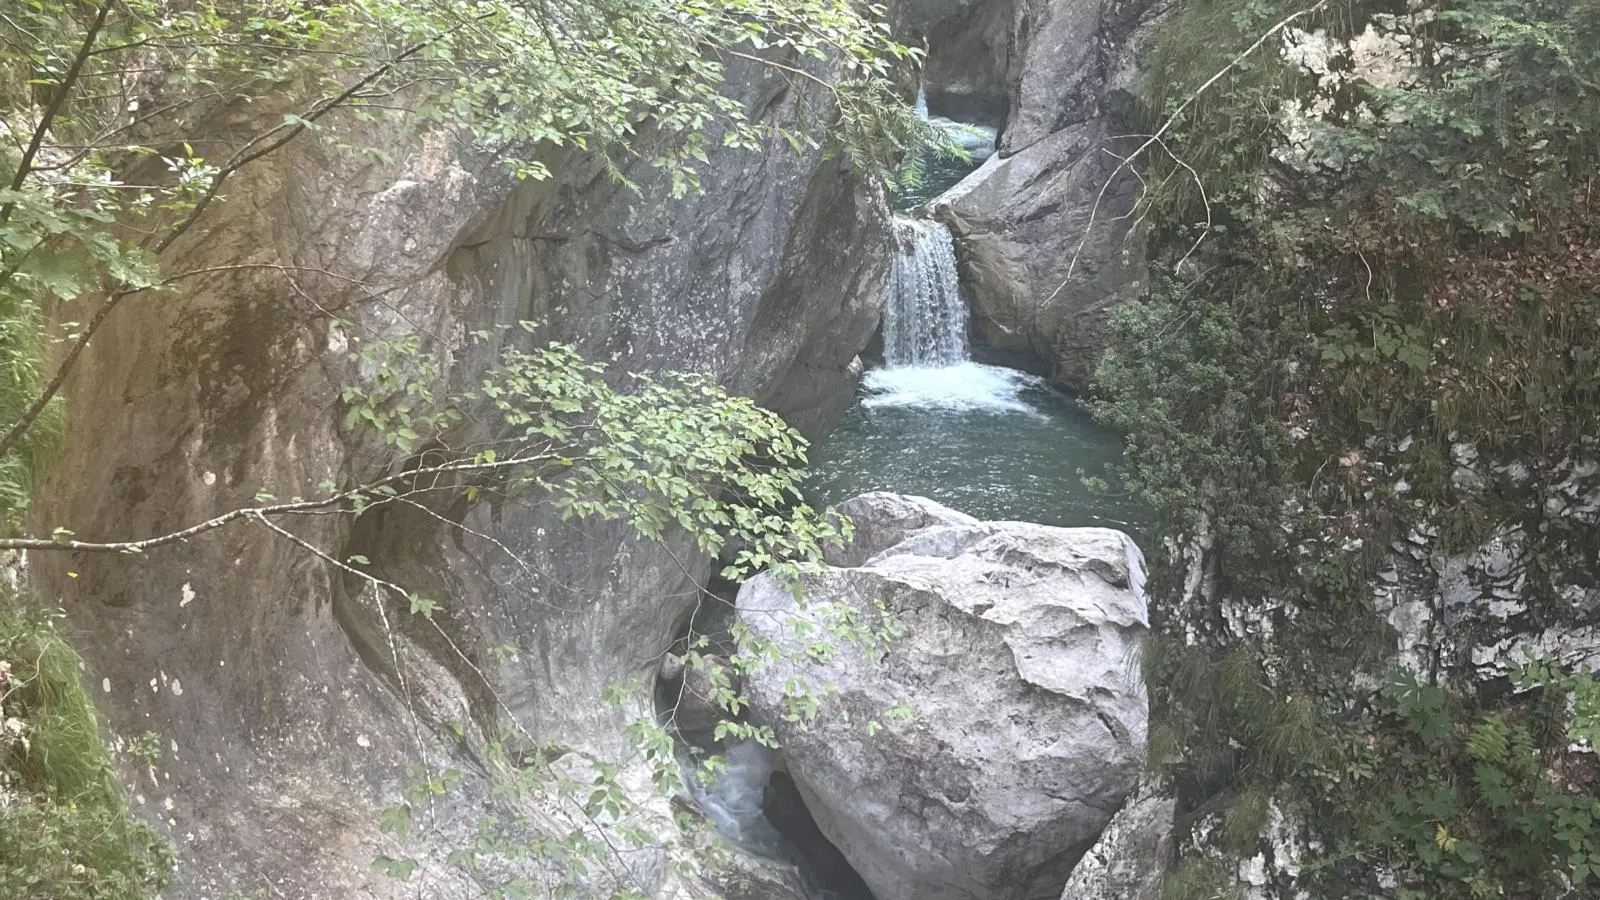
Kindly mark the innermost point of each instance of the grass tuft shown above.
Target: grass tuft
(65, 831)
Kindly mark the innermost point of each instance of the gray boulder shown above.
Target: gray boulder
(1043, 235)
(1019, 658)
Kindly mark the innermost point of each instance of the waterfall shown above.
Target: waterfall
(925, 322)
(733, 800)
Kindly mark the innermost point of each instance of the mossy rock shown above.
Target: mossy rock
(65, 831)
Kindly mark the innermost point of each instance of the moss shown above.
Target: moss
(65, 831)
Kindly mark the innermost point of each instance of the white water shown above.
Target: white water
(925, 320)
(732, 800)
(928, 363)
(963, 387)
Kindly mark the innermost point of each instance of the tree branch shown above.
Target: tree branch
(54, 107)
(241, 158)
(1167, 126)
(258, 512)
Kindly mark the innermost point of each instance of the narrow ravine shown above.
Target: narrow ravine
(990, 441)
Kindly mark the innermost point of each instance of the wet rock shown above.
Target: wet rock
(967, 72)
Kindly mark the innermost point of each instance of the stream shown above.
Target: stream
(992, 442)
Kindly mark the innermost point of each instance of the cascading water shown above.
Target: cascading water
(927, 361)
(990, 441)
(937, 171)
(733, 800)
(925, 320)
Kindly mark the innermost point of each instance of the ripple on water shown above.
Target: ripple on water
(992, 442)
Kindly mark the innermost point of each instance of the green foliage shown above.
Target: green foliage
(105, 104)
(670, 454)
(1495, 126)
(1199, 878)
(1191, 376)
(1230, 722)
(1463, 809)
(65, 832)
(1334, 316)
(1395, 264)
(673, 456)
(1224, 134)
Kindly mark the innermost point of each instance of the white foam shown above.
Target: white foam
(967, 386)
(732, 801)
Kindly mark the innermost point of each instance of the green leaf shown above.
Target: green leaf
(423, 606)
(398, 869)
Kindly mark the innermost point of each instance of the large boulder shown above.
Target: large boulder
(1042, 228)
(1019, 659)
(290, 702)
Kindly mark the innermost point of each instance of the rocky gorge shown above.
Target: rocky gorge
(1289, 658)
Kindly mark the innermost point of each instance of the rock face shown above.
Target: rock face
(289, 704)
(965, 75)
(1042, 290)
(1019, 657)
(1129, 860)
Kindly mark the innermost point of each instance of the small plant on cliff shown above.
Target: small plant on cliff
(65, 832)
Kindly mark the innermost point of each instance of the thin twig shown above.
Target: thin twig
(1167, 126)
(378, 586)
(298, 506)
(46, 121)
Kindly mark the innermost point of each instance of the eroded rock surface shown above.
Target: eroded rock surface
(1042, 279)
(1019, 658)
(289, 701)
(1131, 856)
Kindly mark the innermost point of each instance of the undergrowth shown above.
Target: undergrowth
(1390, 338)
(65, 830)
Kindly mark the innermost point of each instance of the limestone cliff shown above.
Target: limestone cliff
(1042, 226)
(271, 680)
